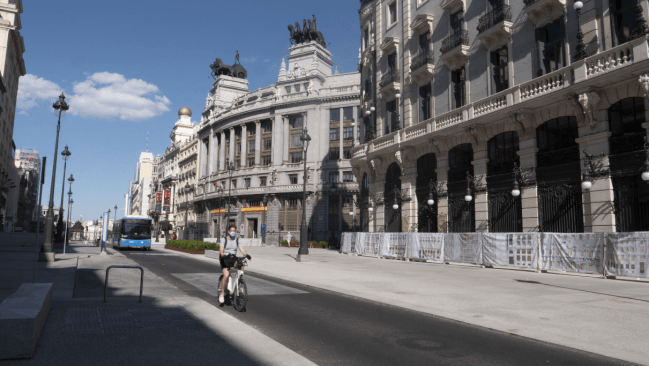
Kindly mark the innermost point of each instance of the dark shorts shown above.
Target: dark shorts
(227, 261)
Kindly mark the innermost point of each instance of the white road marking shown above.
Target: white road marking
(208, 282)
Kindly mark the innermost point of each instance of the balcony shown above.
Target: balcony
(495, 27)
(422, 67)
(455, 50)
(389, 83)
(542, 12)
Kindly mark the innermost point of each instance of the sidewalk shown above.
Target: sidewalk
(607, 317)
(168, 328)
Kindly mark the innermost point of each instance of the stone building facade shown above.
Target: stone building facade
(259, 133)
(464, 99)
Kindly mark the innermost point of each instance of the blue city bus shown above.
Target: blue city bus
(132, 232)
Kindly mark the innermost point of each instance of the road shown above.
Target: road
(331, 328)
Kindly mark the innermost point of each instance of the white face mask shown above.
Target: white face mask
(232, 234)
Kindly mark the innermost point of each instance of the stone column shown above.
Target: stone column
(222, 152)
(356, 126)
(377, 188)
(529, 194)
(278, 131)
(272, 224)
(340, 133)
(409, 209)
(212, 154)
(244, 140)
(286, 138)
(233, 140)
(442, 202)
(480, 199)
(598, 200)
(257, 143)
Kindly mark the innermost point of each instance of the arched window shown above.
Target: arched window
(427, 214)
(459, 162)
(392, 218)
(503, 152)
(505, 210)
(625, 119)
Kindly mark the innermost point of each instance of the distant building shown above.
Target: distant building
(141, 187)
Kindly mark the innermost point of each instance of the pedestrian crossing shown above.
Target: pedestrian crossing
(208, 282)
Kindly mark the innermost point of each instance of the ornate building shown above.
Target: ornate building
(504, 116)
(258, 132)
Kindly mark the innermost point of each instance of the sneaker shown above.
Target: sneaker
(221, 299)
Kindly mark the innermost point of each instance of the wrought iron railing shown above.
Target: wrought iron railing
(454, 40)
(389, 77)
(494, 17)
(529, 2)
(421, 59)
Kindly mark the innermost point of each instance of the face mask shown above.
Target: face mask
(233, 234)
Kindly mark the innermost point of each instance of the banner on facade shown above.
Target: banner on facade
(519, 250)
(167, 199)
(581, 253)
(253, 209)
(463, 247)
(627, 254)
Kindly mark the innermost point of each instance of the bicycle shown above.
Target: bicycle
(236, 288)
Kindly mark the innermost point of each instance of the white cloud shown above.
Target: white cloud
(32, 90)
(248, 60)
(266, 60)
(102, 95)
(108, 95)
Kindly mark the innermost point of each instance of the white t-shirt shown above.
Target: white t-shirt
(229, 245)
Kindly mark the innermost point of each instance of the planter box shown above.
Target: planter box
(186, 250)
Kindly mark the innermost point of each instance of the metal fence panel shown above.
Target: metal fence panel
(463, 247)
(518, 250)
(370, 244)
(394, 245)
(582, 253)
(428, 246)
(627, 254)
(347, 243)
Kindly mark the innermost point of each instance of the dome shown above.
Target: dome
(184, 111)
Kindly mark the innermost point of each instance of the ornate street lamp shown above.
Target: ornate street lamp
(645, 173)
(230, 171)
(48, 255)
(303, 252)
(594, 168)
(59, 227)
(65, 238)
(265, 202)
(581, 52)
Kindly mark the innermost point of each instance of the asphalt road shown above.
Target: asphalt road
(339, 329)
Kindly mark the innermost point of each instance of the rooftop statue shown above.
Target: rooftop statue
(307, 33)
(236, 70)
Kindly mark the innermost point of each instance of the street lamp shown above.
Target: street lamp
(645, 173)
(263, 235)
(65, 238)
(48, 255)
(581, 48)
(59, 227)
(303, 252)
(230, 171)
(188, 189)
(116, 212)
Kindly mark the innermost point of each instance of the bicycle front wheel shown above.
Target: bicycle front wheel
(241, 296)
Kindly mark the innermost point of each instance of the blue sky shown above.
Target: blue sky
(128, 66)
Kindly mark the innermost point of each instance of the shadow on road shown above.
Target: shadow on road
(576, 289)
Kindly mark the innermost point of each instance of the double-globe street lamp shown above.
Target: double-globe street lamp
(67, 220)
(48, 254)
(230, 171)
(303, 252)
(59, 226)
(188, 189)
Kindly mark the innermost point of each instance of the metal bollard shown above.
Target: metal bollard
(141, 280)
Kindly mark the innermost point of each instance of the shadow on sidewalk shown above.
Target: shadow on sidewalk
(576, 289)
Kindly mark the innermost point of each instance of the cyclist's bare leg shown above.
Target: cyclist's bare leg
(226, 274)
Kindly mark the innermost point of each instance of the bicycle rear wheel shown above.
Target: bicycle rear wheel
(241, 296)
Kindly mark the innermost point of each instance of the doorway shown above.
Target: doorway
(252, 228)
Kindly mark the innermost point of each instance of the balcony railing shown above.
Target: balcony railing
(390, 77)
(459, 38)
(494, 17)
(364, 3)
(422, 59)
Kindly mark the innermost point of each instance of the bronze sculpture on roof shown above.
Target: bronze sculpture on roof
(307, 33)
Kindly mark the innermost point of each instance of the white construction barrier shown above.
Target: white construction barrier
(627, 254)
(582, 253)
(426, 246)
(519, 250)
(463, 247)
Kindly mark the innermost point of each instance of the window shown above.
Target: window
(234, 183)
(237, 164)
(238, 149)
(550, 39)
(295, 140)
(348, 114)
(347, 152)
(262, 181)
(288, 90)
(251, 147)
(424, 42)
(296, 121)
(368, 88)
(623, 19)
(366, 37)
(294, 203)
(334, 134)
(348, 177)
(267, 144)
(246, 182)
(296, 157)
(334, 153)
(424, 103)
(392, 12)
(457, 22)
(297, 88)
(267, 126)
(500, 79)
(392, 118)
(265, 161)
(251, 162)
(334, 115)
(459, 93)
(392, 61)
(348, 133)
(251, 130)
(334, 177)
(292, 178)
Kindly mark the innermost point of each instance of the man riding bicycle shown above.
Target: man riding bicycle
(228, 258)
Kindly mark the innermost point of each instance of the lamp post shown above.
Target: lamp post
(65, 238)
(581, 52)
(99, 224)
(303, 252)
(188, 189)
(396, 124)
(59, 227)
(263, 234)
(48, 254)
(218, 234)
(230, 171)
(645, 172)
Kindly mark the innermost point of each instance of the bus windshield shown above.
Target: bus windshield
(136, 229)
